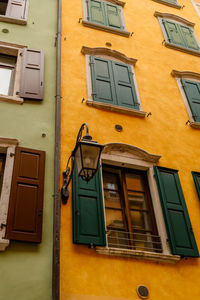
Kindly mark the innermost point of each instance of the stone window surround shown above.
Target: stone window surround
(189, 76)
(16, 20)
(180, 20)
(117, 56)
(6, 146)
(14, 50)
(90, 24)
(169, 4)
(196, 7)
(119, 154)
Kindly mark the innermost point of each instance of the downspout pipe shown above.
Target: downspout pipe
(57, 198)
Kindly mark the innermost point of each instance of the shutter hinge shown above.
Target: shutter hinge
(94, 94)
(21, 54)
(12, 154)
(41, 83)
(2, 226)
(17, 93)
(91, 63)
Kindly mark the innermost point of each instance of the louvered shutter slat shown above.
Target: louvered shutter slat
(24, 222)
(181, 238)
(32, 74)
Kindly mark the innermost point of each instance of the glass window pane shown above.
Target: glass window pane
(5, 78)
(3, 6)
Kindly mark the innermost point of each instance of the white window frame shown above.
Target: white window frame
(7, 19)
(8, 147)
(14, 50)
(94, 25)
(138, 159)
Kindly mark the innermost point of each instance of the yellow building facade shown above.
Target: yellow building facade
(135, 65)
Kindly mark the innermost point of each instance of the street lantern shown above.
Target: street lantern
(85, 157)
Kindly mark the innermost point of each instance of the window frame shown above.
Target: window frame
(180, 21)
(126, 210)
(139, 161)
(13, 50)
(118, 57)
(191, 76)
(7, 146)
(8, 19)
(168, 3)
(94, 25)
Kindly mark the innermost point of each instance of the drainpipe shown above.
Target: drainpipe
(56, 212)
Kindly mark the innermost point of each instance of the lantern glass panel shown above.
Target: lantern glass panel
(78, 161)
(90, 156)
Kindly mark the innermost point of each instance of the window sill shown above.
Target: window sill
(119, 109)
(165, 258)
(195, 125)
(105, 28)
(13, 20)
(168, 3)
(11, 99)
(176, 47)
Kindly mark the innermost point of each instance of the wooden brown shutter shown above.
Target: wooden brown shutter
(31, 82)
(24, 222)
(16, 9)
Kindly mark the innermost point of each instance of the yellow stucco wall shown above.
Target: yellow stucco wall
(86, 275)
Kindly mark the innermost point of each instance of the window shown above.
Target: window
(21, 73)
(189, 85)
(7, 69)
(196, 177)
(172, 3)
(105, 15)
(14, 11)
(130, 219)
(178, 33)
(111, 81)
(21, 193)
(133, 208)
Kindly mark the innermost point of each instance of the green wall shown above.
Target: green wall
(26, 269)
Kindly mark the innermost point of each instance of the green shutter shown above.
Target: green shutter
(189, 37)
(96, 11)
(179, 229)
(87, 210)
(196, 177)
(173, 33)
(103, 89)
(125, 89)
(192, 91)
(113, 15)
